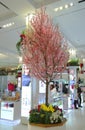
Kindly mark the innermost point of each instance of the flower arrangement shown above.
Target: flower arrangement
(44, 114)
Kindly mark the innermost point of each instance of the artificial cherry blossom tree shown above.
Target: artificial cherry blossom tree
(44, 49)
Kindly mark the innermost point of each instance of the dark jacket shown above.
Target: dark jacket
(79, 91)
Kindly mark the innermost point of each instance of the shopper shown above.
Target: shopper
(79, 91)
(75, 97)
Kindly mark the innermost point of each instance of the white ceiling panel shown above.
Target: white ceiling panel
(39, 3)
(5, 12)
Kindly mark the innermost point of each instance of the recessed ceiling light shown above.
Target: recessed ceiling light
(66, 6)
(61, 7)
(4, 26)
(8, 25)
(56, 9)
(71, 4)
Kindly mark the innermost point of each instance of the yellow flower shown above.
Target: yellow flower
(51, 108)
(47, 108)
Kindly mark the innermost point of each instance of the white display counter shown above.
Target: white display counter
(10, 110)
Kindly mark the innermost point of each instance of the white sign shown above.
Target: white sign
(26, 101)
(42, 87)
(26, 91)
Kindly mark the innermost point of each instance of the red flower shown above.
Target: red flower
(22, 36)
(39, 107)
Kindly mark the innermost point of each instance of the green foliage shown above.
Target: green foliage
(40, 117)
(19, 43)
(73, 62)
(46, 115)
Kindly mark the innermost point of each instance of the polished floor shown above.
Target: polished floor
(75, 121)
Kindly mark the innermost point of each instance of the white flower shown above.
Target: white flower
(51, 117)
(56, 116)
(52, 121)
(56, 120)
(58, 112)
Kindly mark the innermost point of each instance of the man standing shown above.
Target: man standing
(79, 91)
(75, 97)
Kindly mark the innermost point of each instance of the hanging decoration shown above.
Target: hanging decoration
(19, 43)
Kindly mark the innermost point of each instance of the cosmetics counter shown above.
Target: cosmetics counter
(10, 107)
(10, 110)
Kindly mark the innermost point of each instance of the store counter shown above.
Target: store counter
(10, 110)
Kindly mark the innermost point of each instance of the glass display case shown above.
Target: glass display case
(57, 100)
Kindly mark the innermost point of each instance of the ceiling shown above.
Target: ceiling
(71, 22)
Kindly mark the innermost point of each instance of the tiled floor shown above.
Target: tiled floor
(75, 121)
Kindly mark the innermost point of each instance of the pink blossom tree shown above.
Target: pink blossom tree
(44, 49)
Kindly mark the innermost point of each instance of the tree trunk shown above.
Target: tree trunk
(46, 97)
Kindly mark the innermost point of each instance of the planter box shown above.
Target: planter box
(58, 126)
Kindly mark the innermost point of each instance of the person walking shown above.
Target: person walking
(75, 97)
(79, 91)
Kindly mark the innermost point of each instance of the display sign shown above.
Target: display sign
(7, 111)
(26, 92)
(19, 82)
(26, 101)
(26, 79)
(42, 87)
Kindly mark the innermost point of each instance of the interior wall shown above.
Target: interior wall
(65, 76)
(3, 83)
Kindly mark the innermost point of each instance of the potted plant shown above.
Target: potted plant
(44, 50)
(46, 116)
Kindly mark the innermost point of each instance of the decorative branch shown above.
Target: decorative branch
(44, 49)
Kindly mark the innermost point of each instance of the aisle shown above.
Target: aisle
(75, 121)
(13, 127)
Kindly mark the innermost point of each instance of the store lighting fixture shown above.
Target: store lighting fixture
(71, 4)
(28, 18)
(63, 7)
(8, 25)
(72, 52)
(56, 9)
(20, 59)
(66, 6)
